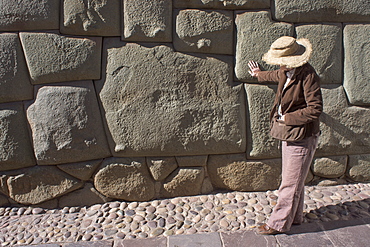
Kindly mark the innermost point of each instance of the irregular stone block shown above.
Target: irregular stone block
(222, 4)
(260, 99)
(95, 17)
(161, 167)
(329, 167)
(319, 11)
(235, 172)
(82, 171)
(189, 161)
(86, 196)
(345, 129)
(15, 84)
(357, 63)
(158, 102)
(66, 124)
(40, 183)
(207, 186)
(326, 40)
(15, 146)
(29, 15)
(255, 33)
(147, 20)
(309, 177)
(55, 58)
(204, 31)
(125, 178)
(183, 182)
(359, 167)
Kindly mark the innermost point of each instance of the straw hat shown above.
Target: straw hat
(288, 51)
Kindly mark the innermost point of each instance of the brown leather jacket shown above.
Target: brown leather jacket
(301, 100)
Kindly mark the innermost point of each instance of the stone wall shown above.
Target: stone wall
(139, 99)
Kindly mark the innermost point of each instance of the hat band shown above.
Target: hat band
(285, 51)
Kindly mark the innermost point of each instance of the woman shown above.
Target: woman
(298, 102)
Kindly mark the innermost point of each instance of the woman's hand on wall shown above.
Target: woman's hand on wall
(254, 68)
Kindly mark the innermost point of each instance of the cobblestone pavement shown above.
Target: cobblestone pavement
(211, 218)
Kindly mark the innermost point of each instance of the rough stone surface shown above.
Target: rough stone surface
(29, 15)
(98, 17)
(309, 177)
(15, 84)
(321, 11)
(52, 57)
(15, 145)
(29, 187)
(255, 33)
(235, 172)
(86, 196)
(357, 63)
(359, 167)
(192, 105)
(183, 181)
(125, 178)
(345, 128)
(153, 23)
(329, 167)
(326, 58)
(3, 201)
(161, 167)
(259, 103)
(82, 170)
(204, 31)
(222, 4)
(66, 124)
(188, 161)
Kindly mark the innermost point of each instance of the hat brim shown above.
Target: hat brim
(300, 58)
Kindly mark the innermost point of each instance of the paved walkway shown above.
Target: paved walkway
(335, 216)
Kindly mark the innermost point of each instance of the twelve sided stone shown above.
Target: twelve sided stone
(222, 4)
(66, 124)
(52, 57)
(15, 146)
(100, 18)
(147, 20)
(235, 172)
(255, 33)
(326, 58)
(15, 84)
(260, 99)
(204, 31)
(159, 102)
(357, 64)
(29, 15)
(321, 11)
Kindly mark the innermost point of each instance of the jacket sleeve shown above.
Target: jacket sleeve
(271, 76)
(313, 98)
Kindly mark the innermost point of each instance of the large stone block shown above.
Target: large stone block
(97, 17)
(359, 168)
(55, 58)
(320, 11)
(158, 102)
(29, 15)
(222, 4)
(235, 172)
(183, 182)
(345, 128)
(15, 84)
(260, 144)
(329, 167)
(204, 31)
(66, 124)
(40, 183)
(255, 33)
(357, 63)
(15, 146)
(125, 178)
(147, 20)
(327, 54)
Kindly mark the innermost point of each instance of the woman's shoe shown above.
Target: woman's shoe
(266, 230)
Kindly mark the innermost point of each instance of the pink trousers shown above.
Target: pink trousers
(296, 161)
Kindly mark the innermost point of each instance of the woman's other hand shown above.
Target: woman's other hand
(254, 68)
